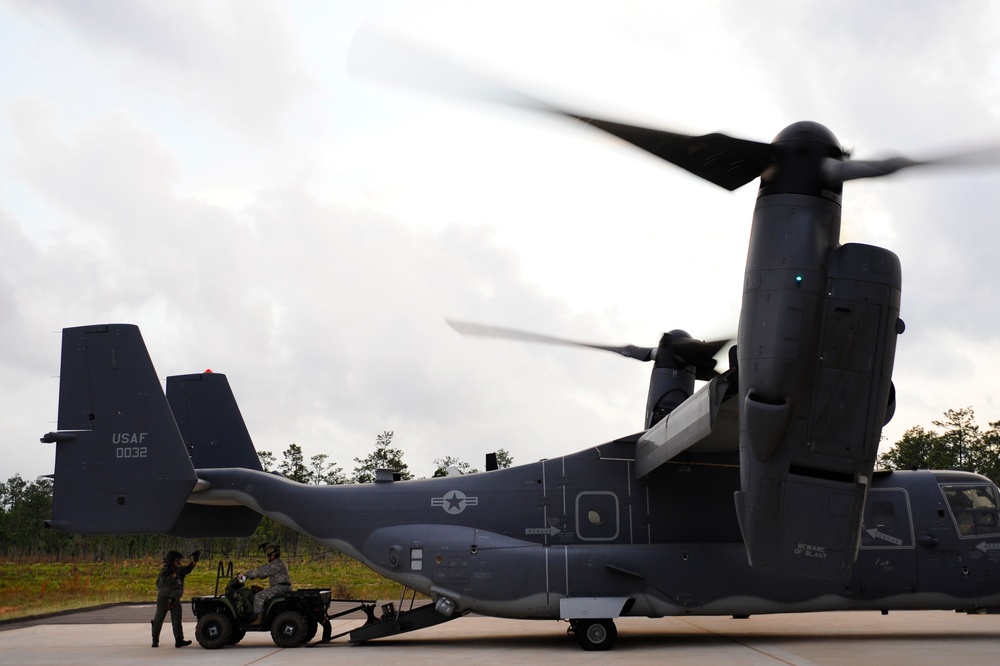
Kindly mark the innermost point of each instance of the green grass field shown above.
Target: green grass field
(35, 588)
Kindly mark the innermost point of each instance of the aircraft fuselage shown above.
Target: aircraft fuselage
(581, 527)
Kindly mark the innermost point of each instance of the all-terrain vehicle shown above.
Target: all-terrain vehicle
(293, 619)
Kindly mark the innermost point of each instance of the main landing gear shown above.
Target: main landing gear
(593, 634)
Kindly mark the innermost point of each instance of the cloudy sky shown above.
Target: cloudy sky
(210, 172)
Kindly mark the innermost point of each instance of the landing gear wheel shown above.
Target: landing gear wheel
(595, 634)
(289, 629)
(214, 631)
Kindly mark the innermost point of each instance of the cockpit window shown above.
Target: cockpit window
(974, 508)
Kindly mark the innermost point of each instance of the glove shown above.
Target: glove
(241, 578)
(195, 556)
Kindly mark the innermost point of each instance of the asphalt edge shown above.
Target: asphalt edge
(70, 611)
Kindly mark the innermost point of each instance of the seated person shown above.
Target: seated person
(276, 571)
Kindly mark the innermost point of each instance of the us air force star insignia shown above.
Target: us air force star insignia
(454, 501)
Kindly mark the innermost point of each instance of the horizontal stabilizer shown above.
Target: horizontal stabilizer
(121, 466)
(202, 521)
(707, 422)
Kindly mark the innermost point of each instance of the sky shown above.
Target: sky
(211, 172)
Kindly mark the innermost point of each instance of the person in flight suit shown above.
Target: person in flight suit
(276, 571)
(169, 590)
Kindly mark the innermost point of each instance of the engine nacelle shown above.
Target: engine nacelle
(816, 346)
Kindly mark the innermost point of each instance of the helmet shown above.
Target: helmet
(171, 557)
(272, 550)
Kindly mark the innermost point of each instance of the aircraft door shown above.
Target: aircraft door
(887, 557)
(962, 556)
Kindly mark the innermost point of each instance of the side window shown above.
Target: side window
(887, 520)
(974, 508)
(597, 516)
(884, 513)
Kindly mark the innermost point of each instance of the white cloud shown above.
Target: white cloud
(236, 60)
(209, 172)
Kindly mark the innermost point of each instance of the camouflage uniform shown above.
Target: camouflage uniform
(276, 571)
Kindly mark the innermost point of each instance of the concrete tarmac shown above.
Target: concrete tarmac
(120, 635)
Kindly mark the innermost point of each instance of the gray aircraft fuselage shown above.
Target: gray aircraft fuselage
(514, 542)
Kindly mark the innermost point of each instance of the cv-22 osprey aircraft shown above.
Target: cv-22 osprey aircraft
(755, 493)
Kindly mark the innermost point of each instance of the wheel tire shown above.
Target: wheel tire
(595, 634)
(237, 636)
(214, 630)
(289, 629)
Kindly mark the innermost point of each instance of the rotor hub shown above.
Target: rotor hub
(801, 149)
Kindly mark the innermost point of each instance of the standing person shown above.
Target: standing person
(169, 590)
(276, 571)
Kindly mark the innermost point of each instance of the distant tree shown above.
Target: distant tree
(962, 445)
(918, 449)
(323, 473)
(385, 456)
(293, 465)
(24, 506)
(504, 459)
(267, 460)
(986, 457)
(961, 437)
(443, 464)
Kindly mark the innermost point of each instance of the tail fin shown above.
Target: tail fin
(210, 421)
(216, 436)
(121, 465)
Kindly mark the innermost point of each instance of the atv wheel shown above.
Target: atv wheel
(214, 630)
(289, 629)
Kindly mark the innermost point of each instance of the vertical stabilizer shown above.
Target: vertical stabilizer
(216, 436)
(121, 465)
(210, 421)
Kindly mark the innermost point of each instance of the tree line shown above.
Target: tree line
(960, 444)
(25, 505)
(320, 471)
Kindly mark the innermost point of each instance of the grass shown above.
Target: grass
(29, 588)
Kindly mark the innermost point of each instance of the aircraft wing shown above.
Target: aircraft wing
(707, 422)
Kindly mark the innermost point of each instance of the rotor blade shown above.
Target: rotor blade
(467, 328)
(380, 56)
(856, 169)
(691, 349)
(720, 159)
